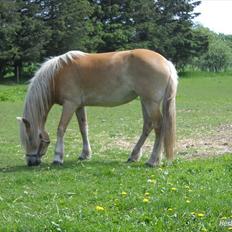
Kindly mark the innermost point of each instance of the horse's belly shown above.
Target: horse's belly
(111, 98)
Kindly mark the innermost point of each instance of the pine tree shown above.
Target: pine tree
(69, 24)
(9, 25)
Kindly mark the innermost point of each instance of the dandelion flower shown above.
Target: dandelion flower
(230, 228)
(151, 181)
(146, 194)
(124, 193)
(173, 189)
(170, 209)
(99, 208)
(200, 215)
(145, 200)
(188, 201)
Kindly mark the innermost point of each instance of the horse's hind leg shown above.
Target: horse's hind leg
(67, 113)
(153, 109)
(83, 125)
(147, 127)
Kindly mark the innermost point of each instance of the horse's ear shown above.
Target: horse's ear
(26, 123)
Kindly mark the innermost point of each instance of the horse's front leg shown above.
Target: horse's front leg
(83, 125)
(67, 113)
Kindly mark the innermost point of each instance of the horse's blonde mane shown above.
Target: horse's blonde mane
(39, 95)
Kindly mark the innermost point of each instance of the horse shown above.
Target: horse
(77, 79)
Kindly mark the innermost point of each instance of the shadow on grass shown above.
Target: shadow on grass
(72, 164)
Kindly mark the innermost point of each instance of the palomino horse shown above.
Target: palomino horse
(76, 79)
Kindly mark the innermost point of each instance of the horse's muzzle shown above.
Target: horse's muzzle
(33, 163)
(33, 160)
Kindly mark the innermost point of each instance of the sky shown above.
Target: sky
(216, 15)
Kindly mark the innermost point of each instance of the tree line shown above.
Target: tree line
(31, 30)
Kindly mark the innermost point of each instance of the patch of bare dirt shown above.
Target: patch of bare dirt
(215, 143)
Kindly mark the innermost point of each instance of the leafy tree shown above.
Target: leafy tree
(113, 26)
(164, 26)
(23, 34)
(9, 26)
(69, 24)
(32, 37)
(218, 55)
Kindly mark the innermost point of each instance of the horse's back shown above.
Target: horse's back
(115, 78)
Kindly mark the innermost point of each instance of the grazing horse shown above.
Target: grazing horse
(77, 79)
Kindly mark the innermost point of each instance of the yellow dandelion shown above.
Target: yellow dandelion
(99, 208)
(200, 215)
(170, 209)
(146, 194)
(153, 181)
(123, 193)
(230, 228)
(145, 200)
(173, 189)
(188, 201)
(116, 202)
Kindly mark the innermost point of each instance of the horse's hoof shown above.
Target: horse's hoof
(130, 160)
(57, 163)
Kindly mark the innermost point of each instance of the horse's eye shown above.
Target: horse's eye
(40, 136)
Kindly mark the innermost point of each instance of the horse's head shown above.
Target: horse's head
(34, 140)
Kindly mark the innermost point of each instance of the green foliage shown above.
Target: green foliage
(9, 25)
(23, 34)
(69, 24)
(218, 56)
(163, 26)
(33, 29)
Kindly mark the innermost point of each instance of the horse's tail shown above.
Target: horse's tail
(169, 113)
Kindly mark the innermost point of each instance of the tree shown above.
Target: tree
(163, 26)
(23, 34)
(9, 26)
(112, 25)
(218, 55)
(32, 36)
(69, 24)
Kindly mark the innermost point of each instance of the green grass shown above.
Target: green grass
(189, 195)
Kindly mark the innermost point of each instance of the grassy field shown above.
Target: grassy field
(107, 194)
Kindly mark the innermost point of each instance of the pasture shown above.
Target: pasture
(107, 194)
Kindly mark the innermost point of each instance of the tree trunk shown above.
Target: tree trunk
(1, 72)
(18, 71)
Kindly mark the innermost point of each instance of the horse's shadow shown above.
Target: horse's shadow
(70, 164)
